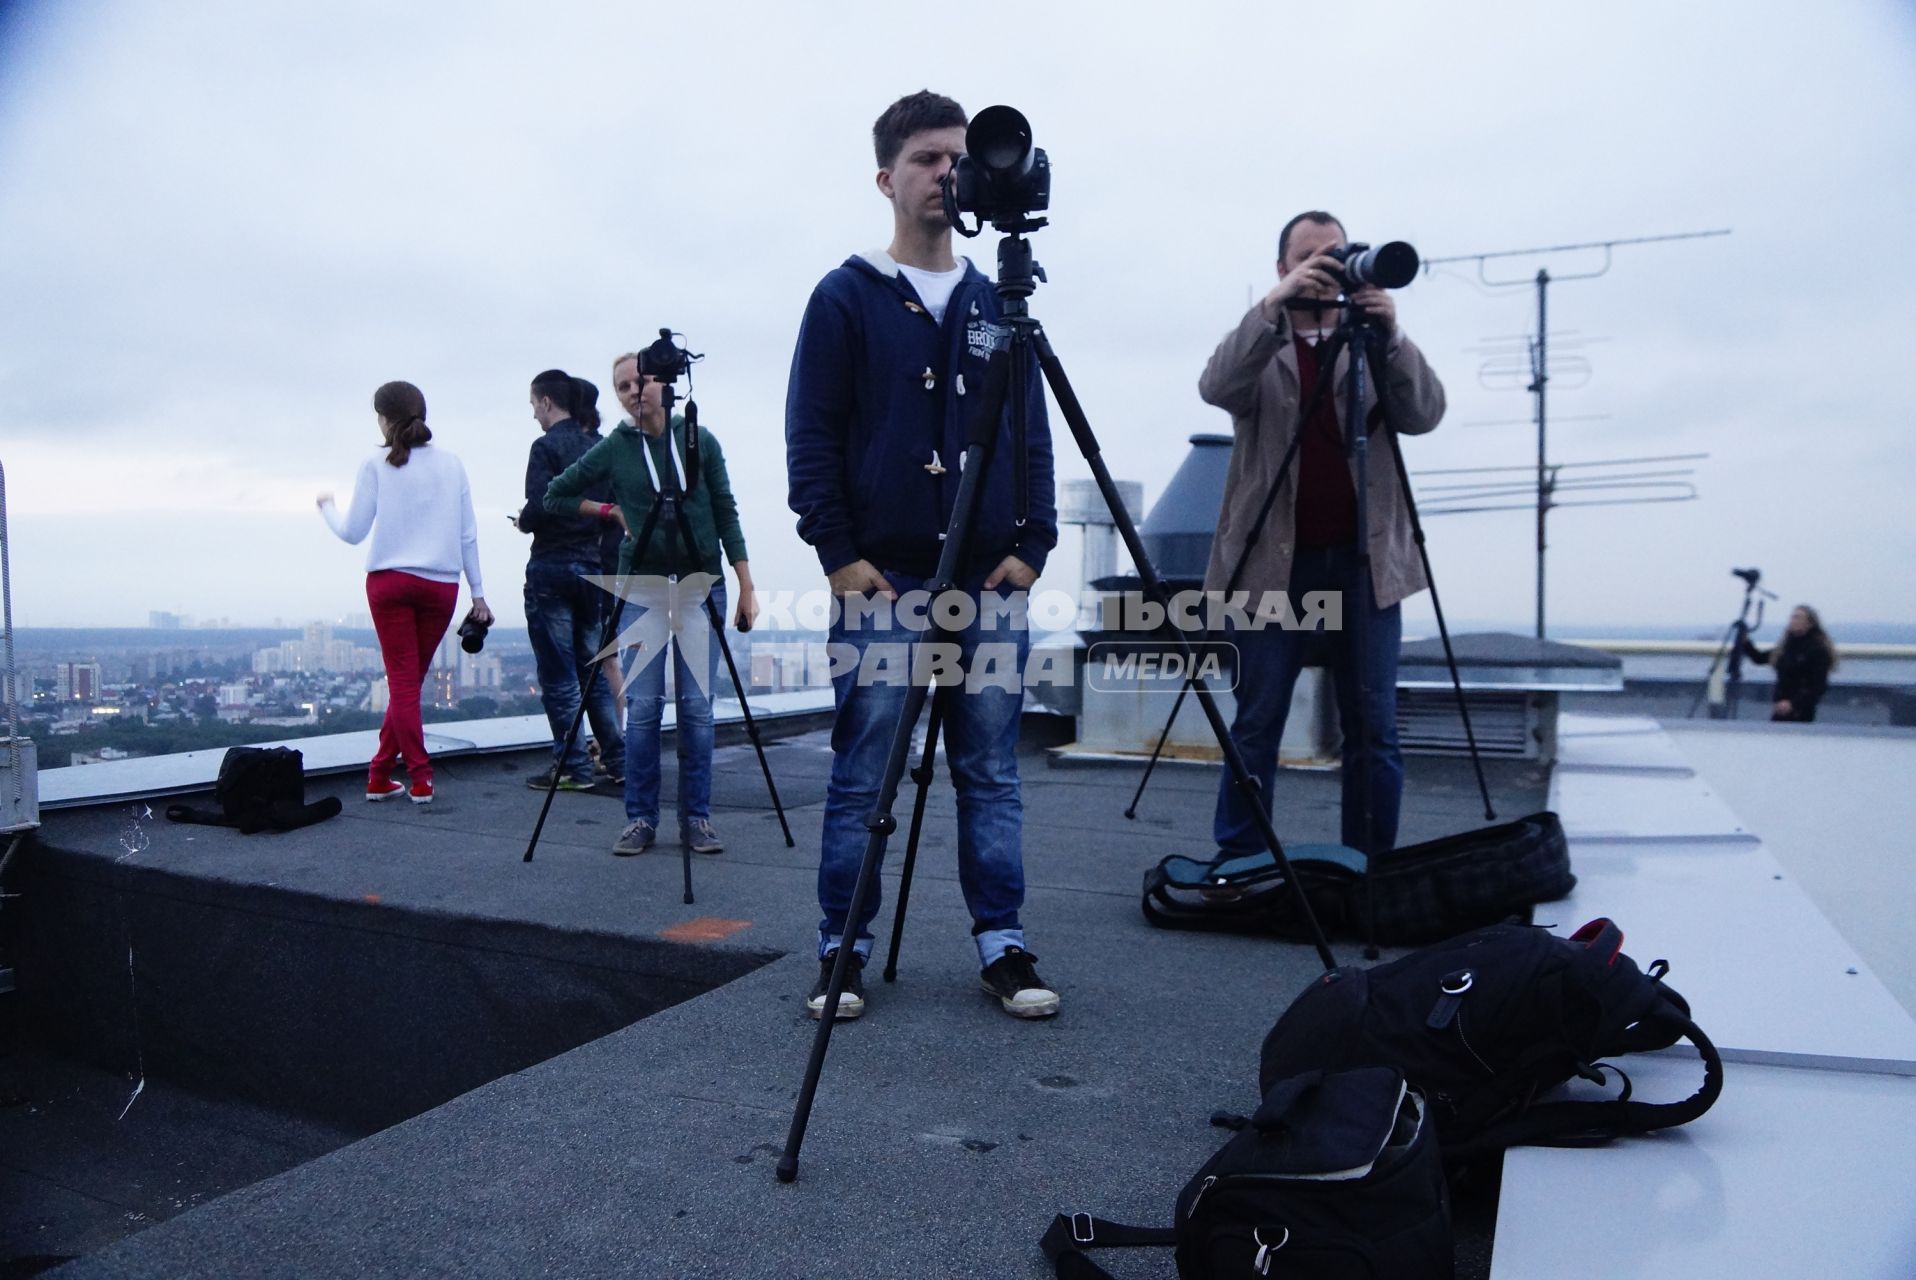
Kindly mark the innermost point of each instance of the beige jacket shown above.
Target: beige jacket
(1253, 376)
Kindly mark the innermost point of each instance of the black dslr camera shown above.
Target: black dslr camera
(667, 362)
(1388, 266)
(472, 634)
(1001, 177)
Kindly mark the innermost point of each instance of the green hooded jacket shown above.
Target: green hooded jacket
(619, 460)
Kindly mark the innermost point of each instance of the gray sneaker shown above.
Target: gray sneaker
(700, 836)
(636, 838)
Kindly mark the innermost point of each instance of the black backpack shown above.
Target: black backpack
(1424, 892)
(1336, 1177)
(1484, 1023)
(260, 789)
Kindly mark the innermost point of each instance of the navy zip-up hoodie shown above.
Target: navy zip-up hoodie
(877, 385)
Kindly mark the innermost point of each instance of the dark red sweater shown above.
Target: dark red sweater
(1326, 500)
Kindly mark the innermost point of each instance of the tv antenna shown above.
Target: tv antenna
(1533, 358)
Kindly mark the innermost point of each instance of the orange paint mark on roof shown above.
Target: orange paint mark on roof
(704, 929)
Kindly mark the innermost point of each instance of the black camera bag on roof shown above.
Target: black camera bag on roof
(260, 789)
(1336, 1177)
(1424, 892)
(1486, 1022)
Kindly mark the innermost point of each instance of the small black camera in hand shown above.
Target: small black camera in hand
(1387, 266)
(472, 634)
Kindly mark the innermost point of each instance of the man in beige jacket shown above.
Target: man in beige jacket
(1266, 374)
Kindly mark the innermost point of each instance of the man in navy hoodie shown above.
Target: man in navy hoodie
(875, 419)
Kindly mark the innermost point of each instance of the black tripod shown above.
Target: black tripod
(1009, 375)
(1361, 338)
(1735, 641)
(669, 508)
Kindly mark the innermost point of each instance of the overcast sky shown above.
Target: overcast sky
(222, 225)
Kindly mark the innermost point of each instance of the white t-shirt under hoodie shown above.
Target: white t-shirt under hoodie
(420, 517)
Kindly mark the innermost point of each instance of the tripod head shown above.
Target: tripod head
(665, 362)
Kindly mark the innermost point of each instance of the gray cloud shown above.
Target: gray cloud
(238, 220)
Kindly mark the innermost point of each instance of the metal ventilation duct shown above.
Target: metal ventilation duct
(1177, 534)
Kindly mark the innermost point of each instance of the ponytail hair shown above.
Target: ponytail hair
(402, 410)
(585, 404)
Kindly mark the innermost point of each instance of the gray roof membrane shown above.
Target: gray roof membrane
(945, 1135)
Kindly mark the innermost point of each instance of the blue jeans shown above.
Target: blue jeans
(564, 620)
(645, 704)
(1268, 663)
(979, 732)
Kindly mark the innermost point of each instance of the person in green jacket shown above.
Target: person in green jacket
(633, 458)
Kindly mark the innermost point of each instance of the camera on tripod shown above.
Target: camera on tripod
(1001, 178)
(1387, 266)
(666, 362)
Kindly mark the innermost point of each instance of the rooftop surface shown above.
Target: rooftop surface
(946, 1134)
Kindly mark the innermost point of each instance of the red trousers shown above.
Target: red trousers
(410, 614)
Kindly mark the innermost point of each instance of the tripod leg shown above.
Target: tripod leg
(751, 725)
(1450, 656)
(1710, 675)
(1241, 778)
(922, 775)
(1163, 737)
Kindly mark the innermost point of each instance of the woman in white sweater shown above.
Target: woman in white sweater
(414, 500)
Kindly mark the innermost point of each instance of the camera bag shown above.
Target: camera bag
(1485, 1023)
(1336, 1177)
(1424, 892)
(259, 789)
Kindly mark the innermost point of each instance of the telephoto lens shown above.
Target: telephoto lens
(1388, 266)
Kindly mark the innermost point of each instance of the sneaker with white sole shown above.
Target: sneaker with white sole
(384, 790)
(567, 782)
(1013, 978)
(851, 1001)
(699, 835)
(421, 793)
(635, 839)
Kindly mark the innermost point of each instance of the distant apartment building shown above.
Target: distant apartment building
(379, 696)
(317, 650)
(78, 681)
(796, 664)
(160, 620)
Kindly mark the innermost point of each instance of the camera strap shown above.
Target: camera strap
(651, 472)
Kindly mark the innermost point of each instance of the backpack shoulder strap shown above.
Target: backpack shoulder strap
(1575, 1123)
(202, 817)
(1069, 1235)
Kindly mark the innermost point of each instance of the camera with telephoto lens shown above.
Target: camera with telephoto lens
(472, 634)
(1387, 266)
(1001, 178)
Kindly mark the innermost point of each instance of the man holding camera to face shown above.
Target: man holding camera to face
(1285, 399)
(874, 425)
